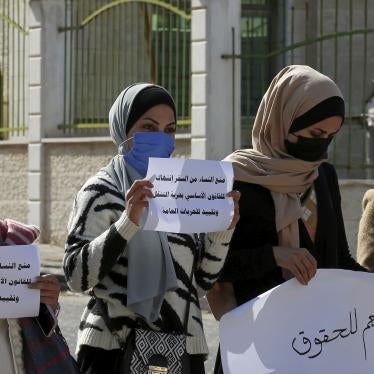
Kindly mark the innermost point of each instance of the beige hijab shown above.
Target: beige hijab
(295, 90)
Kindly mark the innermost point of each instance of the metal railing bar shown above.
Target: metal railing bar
(13, 23)
(112, 4)
(301, 44)
(18, 78)
(349, 153)
(12, 129)
(102, 125)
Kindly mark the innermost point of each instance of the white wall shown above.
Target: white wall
(53, 65)
(212, 77)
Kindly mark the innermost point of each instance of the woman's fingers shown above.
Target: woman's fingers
(295, 271)
(304, 265)
(138, 185)
(46, 282)
(235, 195)
(136, 199)
(298, 261)
(302, 272)
(49, 287)
(311, 264)
(140, 195)
(44, 286)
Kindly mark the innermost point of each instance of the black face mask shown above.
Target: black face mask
(308, 149)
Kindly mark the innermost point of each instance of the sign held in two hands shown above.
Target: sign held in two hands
(190, 195)
(325, 327)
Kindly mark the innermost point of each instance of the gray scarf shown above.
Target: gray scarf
(151, 270)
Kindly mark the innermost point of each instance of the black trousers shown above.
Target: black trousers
(93, 360)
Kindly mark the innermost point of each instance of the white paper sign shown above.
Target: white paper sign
(325, 327)
(190, 195)
(19, 265)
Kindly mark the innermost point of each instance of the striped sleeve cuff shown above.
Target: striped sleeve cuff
(125, 227)
(221, 237)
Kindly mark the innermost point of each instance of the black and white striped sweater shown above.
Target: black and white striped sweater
(96, 261)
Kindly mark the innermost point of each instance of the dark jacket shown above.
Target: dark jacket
(250, 264)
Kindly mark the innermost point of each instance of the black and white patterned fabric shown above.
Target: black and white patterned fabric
(96, 262)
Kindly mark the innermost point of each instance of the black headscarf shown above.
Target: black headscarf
(147, 99)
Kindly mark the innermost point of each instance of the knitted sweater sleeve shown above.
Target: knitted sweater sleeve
(98, 232)
(213, 254)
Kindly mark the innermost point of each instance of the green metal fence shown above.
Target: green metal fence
(110, 44)
(13, 86)
(334, 36)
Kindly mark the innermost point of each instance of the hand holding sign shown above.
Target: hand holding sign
(326, 327)
(298, 261)
(49, 287)
(191, 196)
(136, 199)
(235, 195)
(19, 266)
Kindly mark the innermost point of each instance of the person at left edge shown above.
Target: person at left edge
(23, 347)
(108, 255)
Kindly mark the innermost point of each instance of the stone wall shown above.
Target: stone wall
(13, 182)
(68, 165)
(66, 168)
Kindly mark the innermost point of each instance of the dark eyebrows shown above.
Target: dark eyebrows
(151, 119)
(325, 132)
(320, 130)
(155, 122)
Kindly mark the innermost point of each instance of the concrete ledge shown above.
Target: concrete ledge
(95, 139)
(357, 182)
(21, 141)
(83, 139)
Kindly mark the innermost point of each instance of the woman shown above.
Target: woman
(290, 215)
(365, 243)
(14, 333)
(142, 277)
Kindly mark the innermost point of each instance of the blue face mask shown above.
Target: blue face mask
(146, 145)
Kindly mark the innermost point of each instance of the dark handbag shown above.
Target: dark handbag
(47, 355)
(152, 352)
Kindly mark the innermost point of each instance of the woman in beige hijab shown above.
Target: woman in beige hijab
(290, 215)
